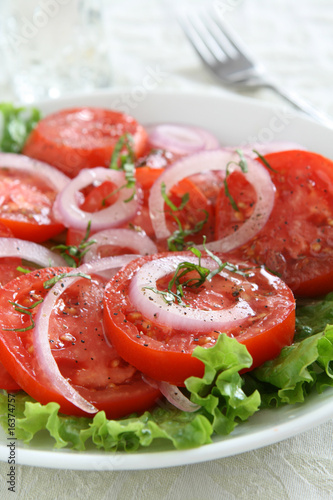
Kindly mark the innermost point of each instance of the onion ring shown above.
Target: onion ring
(139, 242)
(45, 360)
(175, 396)
(154, 307)
(180, 139)
(50, 175)
(206, 161)
(265, 148)
(14, 247)
(67, 202)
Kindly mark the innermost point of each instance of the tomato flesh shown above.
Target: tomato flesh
(165, 353)
(26, 206)
(78, 138)
(78, 345)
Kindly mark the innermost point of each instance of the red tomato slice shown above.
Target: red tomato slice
(297, 241)
(26, 206)
(165, 353)
(73, 139)
(82, 353)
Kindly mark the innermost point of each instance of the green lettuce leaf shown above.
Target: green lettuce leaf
(299, 368)
(183, 430)
(219, 391)
(16, 123)
(314, 317)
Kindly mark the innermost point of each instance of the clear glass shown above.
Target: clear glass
(53, 47)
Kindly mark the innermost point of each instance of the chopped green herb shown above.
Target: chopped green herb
(21, 269)
(49, 283)
(184, 200)
(73, 254)
(243, 166)
(123, 158)
(176, 241)
(265, 162)
(23, 310)
(183, 268)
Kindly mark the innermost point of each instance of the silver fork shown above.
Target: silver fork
(223, 53)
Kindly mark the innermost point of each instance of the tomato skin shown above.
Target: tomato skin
(296, 241)
(141, 341)
(69, 334)
(33, 232)
(7, 382)
(73, 139)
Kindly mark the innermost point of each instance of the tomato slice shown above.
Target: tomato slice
(297, 241)
(26, 206)
(73, 139)
(78, 344)
(164, 352)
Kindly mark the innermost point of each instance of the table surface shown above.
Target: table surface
(295, 42)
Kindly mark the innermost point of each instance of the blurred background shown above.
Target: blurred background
(71, 46)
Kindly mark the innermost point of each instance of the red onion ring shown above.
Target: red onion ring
(139, 242)
(180, 139)
(45, 360)
(51, 175)
(154, 307)
(206, 161)
(67, 202)
(14, 247)
(264, 148)
(175, 396)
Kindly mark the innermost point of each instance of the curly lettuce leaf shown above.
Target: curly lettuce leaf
(299, 368)
(16, 123)
(183, 430)
(219, 391)
(313, 318)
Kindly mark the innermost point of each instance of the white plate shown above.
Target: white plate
(235, 121)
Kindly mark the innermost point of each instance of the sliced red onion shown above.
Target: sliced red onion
(154, 307)
(206, 161)
(175, 396)
(67, 202)
(14, 247)
(265, 148)
(180, 139)
(45, 360)
(139, 242)
(50, 175)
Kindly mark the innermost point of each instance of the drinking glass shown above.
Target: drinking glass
(52, 47)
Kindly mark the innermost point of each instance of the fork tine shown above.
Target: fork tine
(204, 31)
(226, 33)
(198, 40)
(219, 34)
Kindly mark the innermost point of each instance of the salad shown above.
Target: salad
(120, 351)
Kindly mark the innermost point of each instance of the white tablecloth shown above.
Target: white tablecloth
(295, 42)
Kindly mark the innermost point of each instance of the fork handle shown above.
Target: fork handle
(302, 105)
